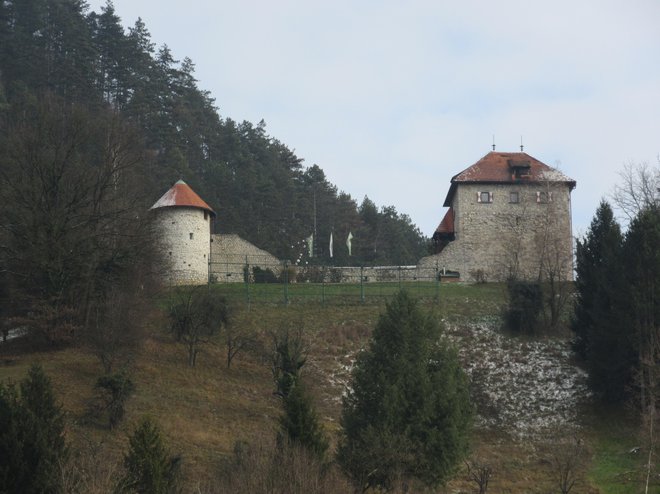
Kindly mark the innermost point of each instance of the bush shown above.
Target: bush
(281, 468)
(115, 389)
(260, 275)
(524, 306)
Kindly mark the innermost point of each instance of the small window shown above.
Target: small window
(514, 197)
(170, 252)
(484, 197)
(206, 215)
(543, 197)
(191, 236)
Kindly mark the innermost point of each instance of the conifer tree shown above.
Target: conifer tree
(149, 467)
(641, 311)
(408, 412)
(602, 333)
(32, 444)
(299, 424)
(596, 261)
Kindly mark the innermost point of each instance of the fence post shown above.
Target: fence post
(286, 282)
(399, 278)
(323, 286)
(362, 284)
(246, 278)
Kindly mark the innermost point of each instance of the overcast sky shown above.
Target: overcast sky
(393, 98)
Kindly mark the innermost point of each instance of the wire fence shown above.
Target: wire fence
(259, 281)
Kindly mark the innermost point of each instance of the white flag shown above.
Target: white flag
(310, 245)
(348, 242)
(330, 244)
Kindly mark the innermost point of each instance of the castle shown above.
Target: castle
(191, 252)
(509, 216)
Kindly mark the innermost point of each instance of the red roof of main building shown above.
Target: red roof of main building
(182, 195)
(447, 223)
(498, 167)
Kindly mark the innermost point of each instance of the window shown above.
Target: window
(543, 197)
(484, 197)
(206, 215)
(191, 236)
(514, 197)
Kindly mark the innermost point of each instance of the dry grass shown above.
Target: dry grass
(204, 411)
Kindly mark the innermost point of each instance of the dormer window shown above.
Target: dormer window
(520, 169)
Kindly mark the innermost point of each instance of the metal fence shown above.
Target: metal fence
(257, 281)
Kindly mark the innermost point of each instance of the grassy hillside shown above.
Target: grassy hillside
(530, 396)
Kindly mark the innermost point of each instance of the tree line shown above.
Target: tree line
(259, 187)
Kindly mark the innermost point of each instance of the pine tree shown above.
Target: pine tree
(641, 311)
(32, 445)
(408, 412)
(601, 333)
(149, 467)
(299, 424)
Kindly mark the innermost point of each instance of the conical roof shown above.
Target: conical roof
(181, 195)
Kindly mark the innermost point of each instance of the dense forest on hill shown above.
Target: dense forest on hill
(76, 58)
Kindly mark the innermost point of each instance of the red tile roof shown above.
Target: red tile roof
(447, 223)
(182, 195)
(498, 167)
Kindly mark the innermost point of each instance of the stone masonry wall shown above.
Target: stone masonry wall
(499, 238)
(185, 234)
(230, 253)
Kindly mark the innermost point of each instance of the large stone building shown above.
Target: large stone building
(509, 216)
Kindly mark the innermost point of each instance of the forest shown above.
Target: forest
(260, 189)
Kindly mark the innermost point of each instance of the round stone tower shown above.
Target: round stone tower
(183, 225)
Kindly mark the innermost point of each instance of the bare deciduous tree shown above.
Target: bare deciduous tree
(73, 221)
(568, 459)
(479, 472)
(236, 338)
(195, 316)
(638, 188)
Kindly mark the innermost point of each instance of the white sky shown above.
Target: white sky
(393, 98)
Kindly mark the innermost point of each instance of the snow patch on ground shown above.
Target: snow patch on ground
(519, 386)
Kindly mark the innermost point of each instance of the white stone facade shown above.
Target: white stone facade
(496, 237)
(184, 235)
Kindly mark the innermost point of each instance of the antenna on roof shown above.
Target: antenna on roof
(493, 142)
(521, 144)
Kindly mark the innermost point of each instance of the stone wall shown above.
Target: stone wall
(184, 237)
(498, 238)
(229, 255)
